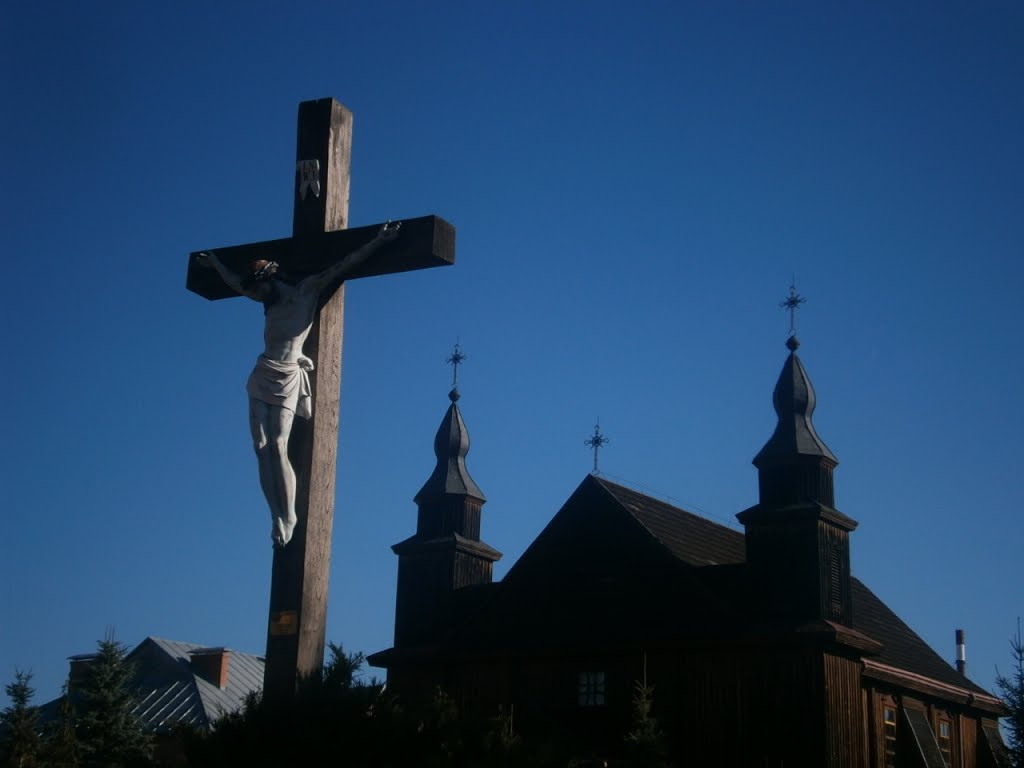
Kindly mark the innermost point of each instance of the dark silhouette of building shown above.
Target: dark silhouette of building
(763, 649)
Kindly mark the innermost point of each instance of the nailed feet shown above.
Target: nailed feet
(282, 530)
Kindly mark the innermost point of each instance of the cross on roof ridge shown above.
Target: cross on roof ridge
(595, 441)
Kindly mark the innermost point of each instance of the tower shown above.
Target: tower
(446, 553)
(797, 542)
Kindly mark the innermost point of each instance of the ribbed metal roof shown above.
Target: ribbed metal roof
(170, 692)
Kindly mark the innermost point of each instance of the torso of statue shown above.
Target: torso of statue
(289, 316)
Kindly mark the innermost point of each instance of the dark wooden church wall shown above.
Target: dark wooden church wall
(844, 712)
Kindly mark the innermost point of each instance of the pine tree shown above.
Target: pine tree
(108, 733)
(19, 724)
(341, 672)
(645, 741)
(60, 744)
(1012, 690)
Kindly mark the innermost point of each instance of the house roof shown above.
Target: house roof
(170, 691)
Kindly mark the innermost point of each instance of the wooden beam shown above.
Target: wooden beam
(427, 241)
(297, 621)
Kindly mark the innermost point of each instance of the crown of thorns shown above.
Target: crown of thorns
(263, 273)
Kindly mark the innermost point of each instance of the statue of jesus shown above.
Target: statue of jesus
(279, 384)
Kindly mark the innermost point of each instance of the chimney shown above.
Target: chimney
(79, 669)
(211, 664)
(961, 652)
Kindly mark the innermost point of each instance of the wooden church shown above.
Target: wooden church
(762, 647)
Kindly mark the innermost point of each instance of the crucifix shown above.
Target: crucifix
(300, 371)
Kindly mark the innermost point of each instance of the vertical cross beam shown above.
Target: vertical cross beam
(298, 587)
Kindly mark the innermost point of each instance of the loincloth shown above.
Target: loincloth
(276, 382)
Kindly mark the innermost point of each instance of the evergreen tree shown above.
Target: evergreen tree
(1012, 690)
(108, 733)
(19, 724)
(341, 672)
(60, 744)
(645, 741)
(502, 745)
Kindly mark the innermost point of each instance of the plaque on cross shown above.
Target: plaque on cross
(319, 257)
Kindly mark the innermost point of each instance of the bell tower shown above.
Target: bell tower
(798, 543)
(446, 553)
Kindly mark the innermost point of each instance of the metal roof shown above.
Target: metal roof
(171, 692)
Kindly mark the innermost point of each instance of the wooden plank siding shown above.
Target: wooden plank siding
(766, 705)
(844, 723)
(967, 727)
(749, 706)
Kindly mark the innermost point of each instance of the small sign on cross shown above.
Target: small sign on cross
(309, 177)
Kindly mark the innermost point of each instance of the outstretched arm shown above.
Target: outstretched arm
(320, 281)
(229, 276)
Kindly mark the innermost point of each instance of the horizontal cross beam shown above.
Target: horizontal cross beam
(428, 241)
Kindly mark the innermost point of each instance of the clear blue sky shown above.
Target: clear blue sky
(634, 185)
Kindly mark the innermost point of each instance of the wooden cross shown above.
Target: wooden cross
(298, 589)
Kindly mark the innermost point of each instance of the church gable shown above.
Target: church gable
(591, 534)
(595, 576)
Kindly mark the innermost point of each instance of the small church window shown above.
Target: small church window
(590, 689)
(889, 735)
(946, 741)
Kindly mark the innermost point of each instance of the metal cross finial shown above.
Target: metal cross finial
(455, 360)
(792, 303)
(595, 441)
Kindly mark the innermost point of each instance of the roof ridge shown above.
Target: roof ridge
(633, 516)
(163, 642)
(667, 501)
(673, 527)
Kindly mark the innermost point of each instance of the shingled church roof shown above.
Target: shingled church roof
(698, 541)
(616, 567)
(693, 539)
